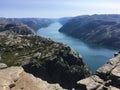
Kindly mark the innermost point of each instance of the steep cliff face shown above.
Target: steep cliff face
(44, 58)
(96, 29)
(107, 77)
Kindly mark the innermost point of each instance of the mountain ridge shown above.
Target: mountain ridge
(96, 29)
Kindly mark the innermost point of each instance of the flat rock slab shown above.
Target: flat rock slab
(15, 78)
(91, 82)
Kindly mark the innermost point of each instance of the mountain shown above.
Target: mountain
(34, 23)
(51, 61)
(23, 26)
(97, 29)
(15, 29)
(64, 20)
(107, 77)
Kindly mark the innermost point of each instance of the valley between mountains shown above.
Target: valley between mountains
(31, 62)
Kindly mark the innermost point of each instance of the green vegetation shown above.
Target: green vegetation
(41, 56)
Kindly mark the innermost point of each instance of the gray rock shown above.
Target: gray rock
(37, 55)
(109, 66)
(20, 47)
(2, 66)
(113, 88)
(91, 83)
(116, 71)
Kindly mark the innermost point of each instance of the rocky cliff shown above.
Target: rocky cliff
(107, 77)
(96, 29)
(15, 78)
(53, 62)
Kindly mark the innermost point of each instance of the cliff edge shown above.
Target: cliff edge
(107, 77)
(52, 61)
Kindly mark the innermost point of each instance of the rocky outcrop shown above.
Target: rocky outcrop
(107, 77)
(2, 66)
(53, 62)
(15, 78)
(95, 29)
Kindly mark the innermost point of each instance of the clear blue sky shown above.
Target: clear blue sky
(57, 8)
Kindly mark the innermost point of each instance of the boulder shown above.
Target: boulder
(3, 65)
(37, 55)
(91, 83)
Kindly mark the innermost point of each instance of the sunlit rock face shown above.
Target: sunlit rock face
(15, 78)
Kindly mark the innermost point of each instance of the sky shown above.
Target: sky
(57, 8)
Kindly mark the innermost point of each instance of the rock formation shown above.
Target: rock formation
(2, 66)
(15, 78)
(35, 60)
(44, 58)
(107, 77)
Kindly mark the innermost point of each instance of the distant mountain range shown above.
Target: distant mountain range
(15, 29)
(33, 23)
(97, 29)
(26, 26)
(55, 62)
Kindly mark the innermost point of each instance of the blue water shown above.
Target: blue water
(93, 56)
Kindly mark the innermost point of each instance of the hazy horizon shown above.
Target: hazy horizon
(56, 9)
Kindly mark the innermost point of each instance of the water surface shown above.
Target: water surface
(94, 56)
